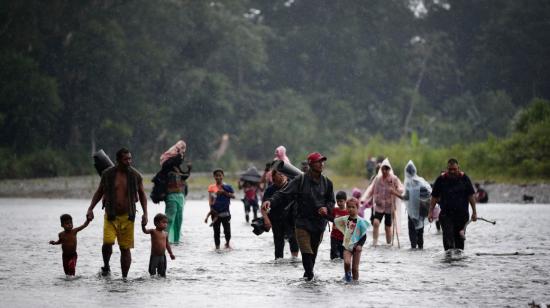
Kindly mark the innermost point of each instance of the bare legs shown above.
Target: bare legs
(351, 261)
(375, 225)
(389, 233)
(376, 232)
(125, 259)
(106, 251)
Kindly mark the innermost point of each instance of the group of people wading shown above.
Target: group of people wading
(313, 196)
(297, 210)
(120, 188)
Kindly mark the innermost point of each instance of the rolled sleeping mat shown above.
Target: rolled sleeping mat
(101, 161)
(286, 168)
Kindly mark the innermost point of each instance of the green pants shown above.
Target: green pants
(174, 210)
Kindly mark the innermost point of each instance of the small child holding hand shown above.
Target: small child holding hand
(67, 239)
(159, 245)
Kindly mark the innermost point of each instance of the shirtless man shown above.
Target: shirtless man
(120, 188)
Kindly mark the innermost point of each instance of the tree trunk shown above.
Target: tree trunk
(414, 96)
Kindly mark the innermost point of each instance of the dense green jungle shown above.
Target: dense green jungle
(408, 79)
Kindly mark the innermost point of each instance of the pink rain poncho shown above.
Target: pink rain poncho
(379, 193)
(173, 151)
(280, 154)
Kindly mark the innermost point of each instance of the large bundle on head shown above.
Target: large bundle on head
(251, 175)
(101, 161)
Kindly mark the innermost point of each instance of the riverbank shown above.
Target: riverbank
(83, 187)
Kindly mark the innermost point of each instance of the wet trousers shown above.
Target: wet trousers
(174, 210)
(336, 249)
(225, 221)
(451, 224)
(416, 236)
(308, 242)
(282, 229)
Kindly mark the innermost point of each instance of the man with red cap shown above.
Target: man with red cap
(314, 197)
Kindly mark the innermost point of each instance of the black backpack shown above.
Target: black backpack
(291, 210)
(160, 180)
(158, 193)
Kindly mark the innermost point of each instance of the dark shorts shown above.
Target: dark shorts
(157, 264)
(386, 216)
(69, 263)
(362, 241)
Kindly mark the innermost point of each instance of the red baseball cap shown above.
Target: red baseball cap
(315, 157)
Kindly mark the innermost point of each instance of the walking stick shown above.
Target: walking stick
(486, 220)
(395, 233)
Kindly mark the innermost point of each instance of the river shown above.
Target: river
(247, 275)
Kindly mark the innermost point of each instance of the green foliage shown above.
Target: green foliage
(351, 159)
(286, 122)
(537, 111)
(29, 104)
(45, 163)
(523, 156)
(311, 75)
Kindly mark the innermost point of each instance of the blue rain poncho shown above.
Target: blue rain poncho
(417, 195)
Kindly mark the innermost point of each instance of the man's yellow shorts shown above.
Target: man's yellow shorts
(121, 229)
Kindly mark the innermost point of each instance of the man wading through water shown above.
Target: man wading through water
(314, 198)
(453, 191)
(280, 219)
(120, 188)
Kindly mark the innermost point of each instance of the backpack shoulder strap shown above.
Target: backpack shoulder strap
(301, 187)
